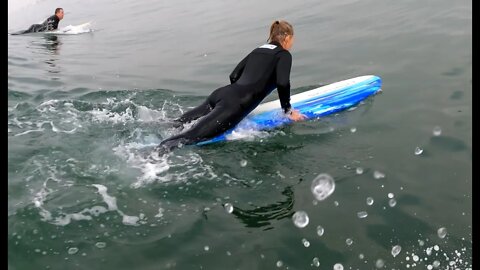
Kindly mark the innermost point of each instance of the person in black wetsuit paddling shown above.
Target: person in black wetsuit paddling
(256, 76)
(51, 23)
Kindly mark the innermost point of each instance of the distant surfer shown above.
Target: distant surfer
(50, 24)
(256, 76)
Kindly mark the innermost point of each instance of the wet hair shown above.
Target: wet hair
(58, 10)
(279, 30)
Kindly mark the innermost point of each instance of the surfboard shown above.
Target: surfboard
(313, 104)
(71, 30)
(67, 30)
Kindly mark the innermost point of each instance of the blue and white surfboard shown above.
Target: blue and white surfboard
(313, 104)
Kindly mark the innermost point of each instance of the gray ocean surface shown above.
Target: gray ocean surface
(86, 189)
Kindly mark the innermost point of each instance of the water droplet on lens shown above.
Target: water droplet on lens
(72, 250)
(362, 214)
(396, 250)
(322, 186)
(320, 230)
(418, 151)
(370, 201)
(300, 219)
(437, 131)
(228, 208)
(378, 175)
(442, 232)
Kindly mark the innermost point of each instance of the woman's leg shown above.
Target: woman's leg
(201, 110)
(195, 113)
(223, 117)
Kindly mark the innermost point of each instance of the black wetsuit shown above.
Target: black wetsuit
(51, 23)
(257, 75)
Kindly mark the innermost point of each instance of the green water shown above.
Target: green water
(86, 190)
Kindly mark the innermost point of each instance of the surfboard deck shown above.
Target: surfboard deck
(61, 31)
(313, 104)
(77, 29)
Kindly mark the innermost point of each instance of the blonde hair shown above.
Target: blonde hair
(279, 30)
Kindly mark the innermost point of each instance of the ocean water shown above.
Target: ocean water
(86, 190)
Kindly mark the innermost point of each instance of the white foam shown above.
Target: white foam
(40, 124)
(105, 115)
(160, 212)
(50, 102)
(66, 219)
(151, 170)
(97, 210)
(87, 213)
(73, 29)
(112, 206)
(46, 215)
(145, 114)
(130, 220)
(109, 200)
(40, 197)
(63, 115)
(55, 129)
(150, 166)
(30, 131)
(156, 168)
(149, 115)
(17, 123)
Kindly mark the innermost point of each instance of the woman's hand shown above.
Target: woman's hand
(296, 116)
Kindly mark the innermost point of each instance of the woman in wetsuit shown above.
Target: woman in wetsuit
(257, 75)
